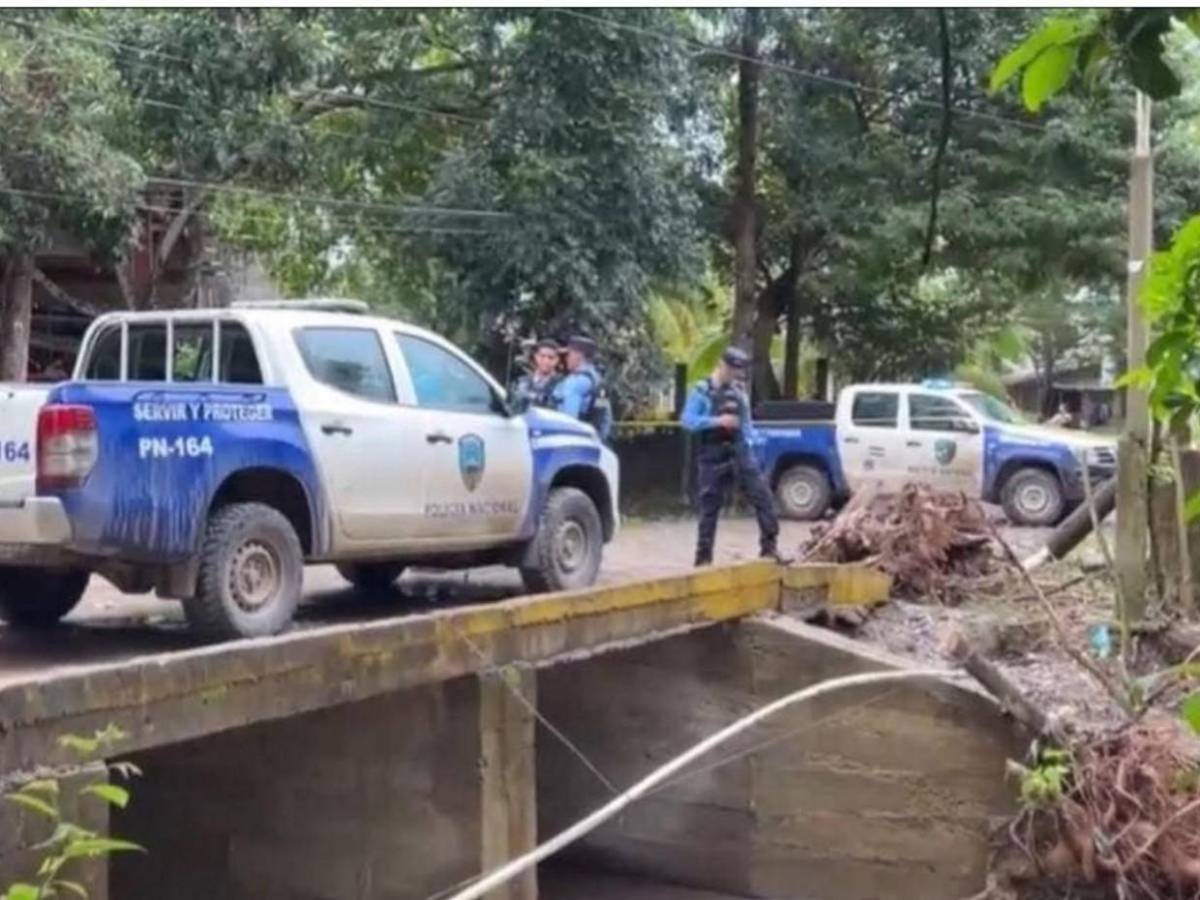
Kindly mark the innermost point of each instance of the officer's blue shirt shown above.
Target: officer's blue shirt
(573, 393)
(698, 414)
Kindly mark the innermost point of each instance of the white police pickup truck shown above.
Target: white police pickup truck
(883, 436)
(210, 454)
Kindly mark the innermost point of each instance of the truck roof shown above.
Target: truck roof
(277, 313)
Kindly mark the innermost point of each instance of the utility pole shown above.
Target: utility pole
(1133, 448)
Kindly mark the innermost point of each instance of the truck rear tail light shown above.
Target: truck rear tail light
(68, 446)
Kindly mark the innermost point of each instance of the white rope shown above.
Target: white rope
(511, 869)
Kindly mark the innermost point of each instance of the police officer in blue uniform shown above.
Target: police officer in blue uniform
(718, 414)
(536, 388)
(581, 393)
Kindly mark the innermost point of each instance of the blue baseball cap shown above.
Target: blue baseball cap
(735, 358)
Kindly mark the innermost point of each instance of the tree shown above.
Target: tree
(61, 167)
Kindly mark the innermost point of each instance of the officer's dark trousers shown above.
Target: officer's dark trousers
(718, 470)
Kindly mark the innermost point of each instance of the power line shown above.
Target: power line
(319, 200)
(828, 80)
(348, 224)
(404, 107)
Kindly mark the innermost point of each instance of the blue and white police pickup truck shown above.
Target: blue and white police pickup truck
(882, 436)
(210, 454)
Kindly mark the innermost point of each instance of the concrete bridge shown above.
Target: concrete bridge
(398, 758)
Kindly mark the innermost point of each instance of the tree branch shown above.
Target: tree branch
(175, 229)
(943, 137)
(62, 296)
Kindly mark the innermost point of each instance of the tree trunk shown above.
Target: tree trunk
(744, 225)
(791, 349)
(16, 316)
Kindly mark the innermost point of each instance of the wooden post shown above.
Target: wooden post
(1132, 509)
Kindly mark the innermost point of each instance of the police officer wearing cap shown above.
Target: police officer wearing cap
(718, 414)
(581, 393)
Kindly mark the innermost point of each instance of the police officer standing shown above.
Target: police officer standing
(718, 414)
(536, 388)
(581, 392)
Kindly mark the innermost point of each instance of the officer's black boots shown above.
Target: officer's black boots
(775, 556)
(703, 559)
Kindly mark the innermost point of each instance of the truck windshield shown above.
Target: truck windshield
(992, 409)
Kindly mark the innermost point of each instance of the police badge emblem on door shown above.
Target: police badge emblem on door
(471, 460)
(944, 450)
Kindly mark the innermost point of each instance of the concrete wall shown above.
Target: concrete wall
(374, 799)
(653, 459)
(850, 802)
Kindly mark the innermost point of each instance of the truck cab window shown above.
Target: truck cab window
(148, 352)
(348, 359)
(191, 358)
(443, 381)
(104, 364)
(875, 409)
(929, 412)
(239, 361)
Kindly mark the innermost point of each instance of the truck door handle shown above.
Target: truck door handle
(912, 444)
(850, 440)
(437, 437)
(336, 429)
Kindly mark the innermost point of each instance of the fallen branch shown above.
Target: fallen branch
(1118, 696)
(1002, 688)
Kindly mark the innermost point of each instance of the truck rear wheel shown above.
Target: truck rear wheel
(803, 493)
(38, 598)
(371, 576)
(1033, 496)
(250, 575)
(569, 543)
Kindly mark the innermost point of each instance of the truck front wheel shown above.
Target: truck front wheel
(38, 598)
(803, 493)
(371, 576)
(1033, 496)
(250, 575)
(566, 550)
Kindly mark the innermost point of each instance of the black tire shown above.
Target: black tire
(38, 598)
(803, 493)
(1033, 496)
(568, 546)
(246, 544)
(371, 576)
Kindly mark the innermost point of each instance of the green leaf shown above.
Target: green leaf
(1141, 377)
(109, 793)
(99, 846)
(1190, 711)
(72, 887)
(1191, 509)
(34, 804)
(21, 891)
(47, 787)
(80, 745)
(1151, 74)
(1047, 75)
(1056, 31)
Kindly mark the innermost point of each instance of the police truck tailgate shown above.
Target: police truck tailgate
(19, 406)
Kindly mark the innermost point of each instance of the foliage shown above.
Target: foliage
(1043, 785)
(1171, 300)
(1085, 43)
(70, 842)
(62, 112)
